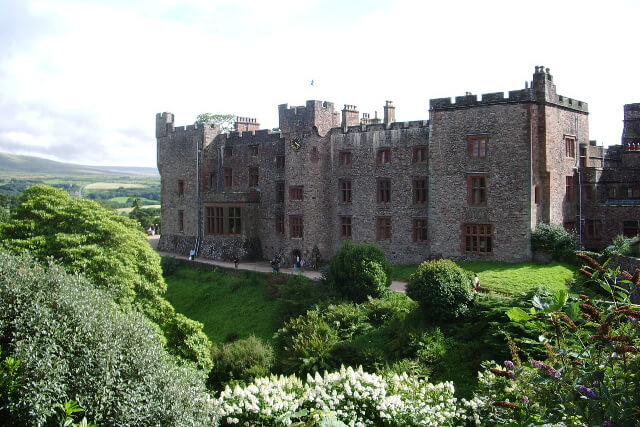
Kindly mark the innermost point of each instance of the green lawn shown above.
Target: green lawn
(508, 278)
(226, 303)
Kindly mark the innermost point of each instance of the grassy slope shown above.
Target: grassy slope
(224, 303)
(509, 278)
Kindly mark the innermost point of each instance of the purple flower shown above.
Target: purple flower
(509, 365)
(596, 383)
(552, 372)
(587, 392)
(525, 400)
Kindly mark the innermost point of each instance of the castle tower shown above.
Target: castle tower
(543, 84)
(389, 112)
(246, 124)
(631, 131)
(164, 124)
(350, 116)
(301, 119)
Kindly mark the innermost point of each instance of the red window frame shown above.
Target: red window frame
(279, 191)
(477, 238)
(296, 192)
(235, 221)
(477, 145)
(227, 176)
(296, 226)
(570, 147)
(344, 157)
(345, 190)
(383, 156)
(420, 154)
(345, 227)
(419, 229)
(215, 220)
(477, 189)
(420, 191)
(384, 190)
(383, 228)
(280, 224)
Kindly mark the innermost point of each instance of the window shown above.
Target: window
(594, 228)
(228, 152)
(630, 228)
(537, 194)
(296, 192)
(477, 145)
(570, 147)
(345, 227)
(477, 190)
(180, 187)
(383, 156)
(279, 162)
(280, 224)
(344, 158)
(570, 226)
(588, 191)
(296, 227)
(235, 220)
(315, 155)
(227, 176)
(383, 228)
(419, 154)
(345, 191)
(477, 238)
(420, 229)
(583, 156)
(215, 220)
(420, 191)
(612, 191)
(384, 190)
(180, 220)
(570, 191)
(253, 149)
(213, 180)
(253, 177)
(280, 192)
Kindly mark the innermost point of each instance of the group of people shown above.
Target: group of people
(298, 263)
(153, 230)
(275, 263)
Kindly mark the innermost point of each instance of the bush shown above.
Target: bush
(240, 361)
(557, 241)
(620, 246)
(300, 294)
(359, 271)
(442, 289)
(75, 343)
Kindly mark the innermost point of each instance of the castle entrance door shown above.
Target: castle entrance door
(295, 254)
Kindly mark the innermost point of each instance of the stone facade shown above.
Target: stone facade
(469, 183)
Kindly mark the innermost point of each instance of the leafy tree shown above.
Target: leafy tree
(75, 343)
(557, 241)
(87, 238)
(442, 288)
(225, 121)
(358, 271)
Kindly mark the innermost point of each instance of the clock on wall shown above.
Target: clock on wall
(296, 142)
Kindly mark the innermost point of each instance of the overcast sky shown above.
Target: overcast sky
(81, 80)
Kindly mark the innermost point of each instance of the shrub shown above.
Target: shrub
(75, 343)
(442, 288)
(358, 271)
(620, 246)
(557, 241)
(240, 361)
(300, 294)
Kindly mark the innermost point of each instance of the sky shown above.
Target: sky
(82, 80)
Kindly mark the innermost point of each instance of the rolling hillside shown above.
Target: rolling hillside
(17, 166)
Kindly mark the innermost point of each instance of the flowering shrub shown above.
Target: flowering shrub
(591, 374)
(355, 397)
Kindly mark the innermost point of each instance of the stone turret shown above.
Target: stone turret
(350, 116)
(389, 112)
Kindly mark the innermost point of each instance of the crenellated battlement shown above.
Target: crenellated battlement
(315, 114)
(250, 137)
(364, 128)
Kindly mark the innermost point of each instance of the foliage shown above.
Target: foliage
(621, 245)
(359, 270)
(74, 342)
(590, 376)
(225, 121)
(109, 250)
(300, 294)
(442, 288)
(366, 334)
(554, 239)
(354, 396)
(67, 415)
(240, 361)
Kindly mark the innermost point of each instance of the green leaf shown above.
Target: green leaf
(559, 300)
(516, 314)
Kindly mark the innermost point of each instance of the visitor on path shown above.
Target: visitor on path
(192, 253)
(302, 265)
(236, 261)
(476, 283)
(296, 264)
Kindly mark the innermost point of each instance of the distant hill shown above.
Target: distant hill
(13, 165)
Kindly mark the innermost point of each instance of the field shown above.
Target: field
(507, 278)
(113, 185)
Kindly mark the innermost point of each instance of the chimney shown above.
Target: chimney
(350, 116)
(389, 112)
(244, 124)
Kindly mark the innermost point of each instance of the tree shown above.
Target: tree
(225, 121)
(358, 271)
(74, 342)
(110, 250)
(442, 288)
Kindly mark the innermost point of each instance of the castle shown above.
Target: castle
(470, 183)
